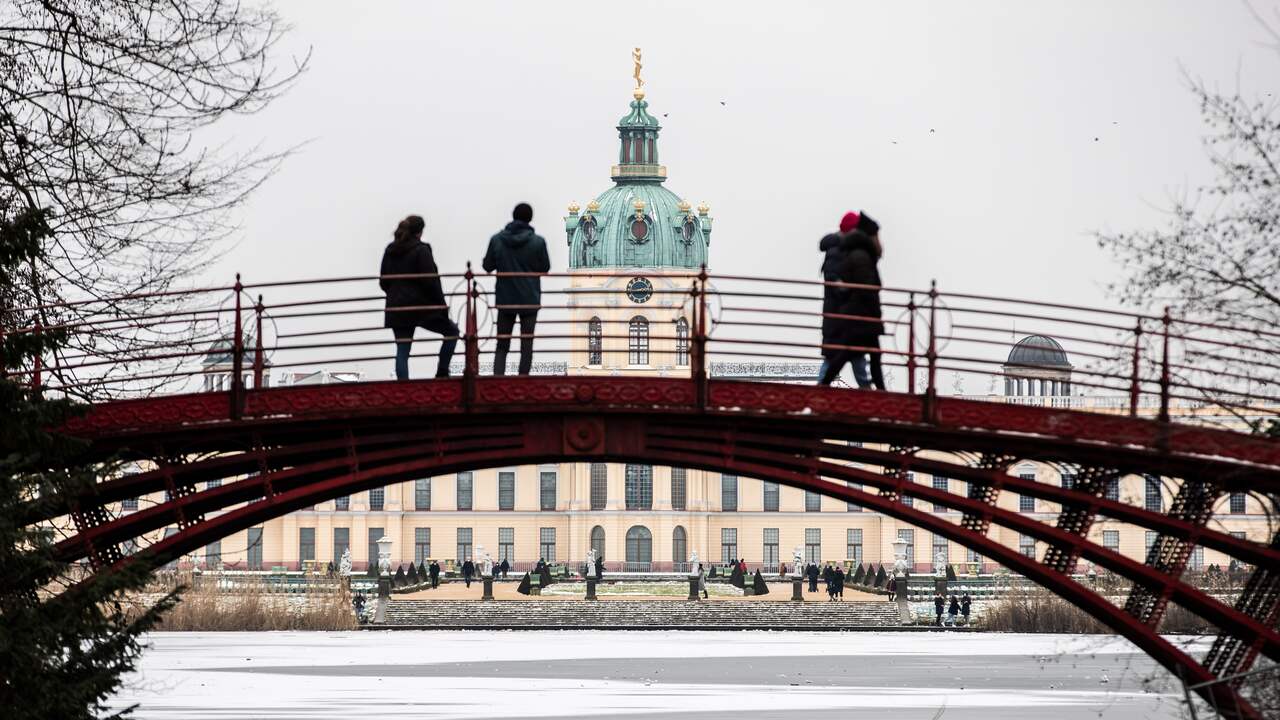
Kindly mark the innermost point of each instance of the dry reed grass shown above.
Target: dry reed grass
(1040, 611)
(253, 606)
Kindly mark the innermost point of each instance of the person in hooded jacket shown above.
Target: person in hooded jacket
(862, 252)
(415, 302)
(517, 249)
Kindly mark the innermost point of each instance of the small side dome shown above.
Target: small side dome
(1038, 351)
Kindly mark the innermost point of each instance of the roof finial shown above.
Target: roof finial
(639, 92)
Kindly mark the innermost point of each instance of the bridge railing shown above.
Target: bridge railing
(699, 325)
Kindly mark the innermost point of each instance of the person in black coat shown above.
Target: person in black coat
(859, 266)
(953, 609)
(504, 567)
(812, 572)
(831, 247)
(939, 604)
(599, 566)
(415, 302)
(965, 603)
(434, 571)
(839, 583)
(468, 569)
(517, 249)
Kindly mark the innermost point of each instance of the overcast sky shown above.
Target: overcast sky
(988, 138)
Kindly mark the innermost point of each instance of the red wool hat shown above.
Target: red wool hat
(849, 222)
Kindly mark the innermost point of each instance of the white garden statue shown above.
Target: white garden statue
(693, 563)
(797, 562)
(940, 564)
(344, 565)
(486, 562)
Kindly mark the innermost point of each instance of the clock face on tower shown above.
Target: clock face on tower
(639, 290)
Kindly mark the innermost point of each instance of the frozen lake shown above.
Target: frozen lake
(643, 675)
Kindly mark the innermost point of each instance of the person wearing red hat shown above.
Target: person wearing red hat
(831, 247)
(861, 255)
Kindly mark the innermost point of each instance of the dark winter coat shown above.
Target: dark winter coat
(859, 266)
(939, 604)
(954, 607)
(832, 297)
(965, 604)
(434, 570)
(517, 248)
(468, 569)
(411, 258)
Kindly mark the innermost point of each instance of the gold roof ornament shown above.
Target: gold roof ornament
(574, 207)
(639, 206)
(593, 206)
(639, 92)
(683, 206)
(703, 208)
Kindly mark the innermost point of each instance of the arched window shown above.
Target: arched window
(639, 549)
(595, 342)
(638, 341)
(597, 541)
(682, 342)
(639, 487)
(679, 549)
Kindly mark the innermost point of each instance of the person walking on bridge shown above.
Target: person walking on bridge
(859, 266)
(415, 302)
(832, 248)
(517, 249)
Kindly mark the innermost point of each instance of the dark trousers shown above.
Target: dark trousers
(839, 358)
(507, 322)
(440, 325)
(435, 581)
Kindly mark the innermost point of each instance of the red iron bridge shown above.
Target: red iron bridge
(178, 383)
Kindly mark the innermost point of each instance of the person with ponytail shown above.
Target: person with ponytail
(418, 301)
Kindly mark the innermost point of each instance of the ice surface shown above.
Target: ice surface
(752, 675)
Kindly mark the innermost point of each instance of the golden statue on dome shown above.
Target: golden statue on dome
(639, 92)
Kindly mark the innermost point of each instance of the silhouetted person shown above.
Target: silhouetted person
(517, 249)
(939, 604)
(812, 572)
(859, 266)
(953, 609)
(468, 569)
(965, 603)
(415, 302)
(600, 566)
(831, 247)
(504, 567)
(434, 571)
(838, 581)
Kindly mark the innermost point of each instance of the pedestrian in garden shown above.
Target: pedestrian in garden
(702, 581)
(812, 572)
(860, 267)
(939, 605)
(504, 567)
(839, 583)
(517, 249)
(831, 247)
(434, 571)
(953, 610)
(599, 566)
(965, 602)
(468, 569)
(415, 302)
(742, 565)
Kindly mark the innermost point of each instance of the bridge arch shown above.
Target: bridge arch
(372, 457)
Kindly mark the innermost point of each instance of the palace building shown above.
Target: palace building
(632, 252)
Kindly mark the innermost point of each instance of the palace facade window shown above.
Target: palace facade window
(638, 341)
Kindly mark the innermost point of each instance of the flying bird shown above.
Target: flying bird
(721, 102)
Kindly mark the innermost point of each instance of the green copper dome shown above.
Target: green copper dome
(638, 223)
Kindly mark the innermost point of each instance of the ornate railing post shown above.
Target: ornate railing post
(1135, 382)
(699, 364)
(931, 390)
(1164, 367)
(471, 347)
(258, 362)
(911, 344)
(237, 358)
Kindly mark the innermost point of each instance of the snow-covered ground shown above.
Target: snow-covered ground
(741, 675)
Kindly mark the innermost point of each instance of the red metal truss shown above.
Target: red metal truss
(706, 444)
(303, 445)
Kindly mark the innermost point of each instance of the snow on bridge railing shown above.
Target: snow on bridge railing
(239, 337)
